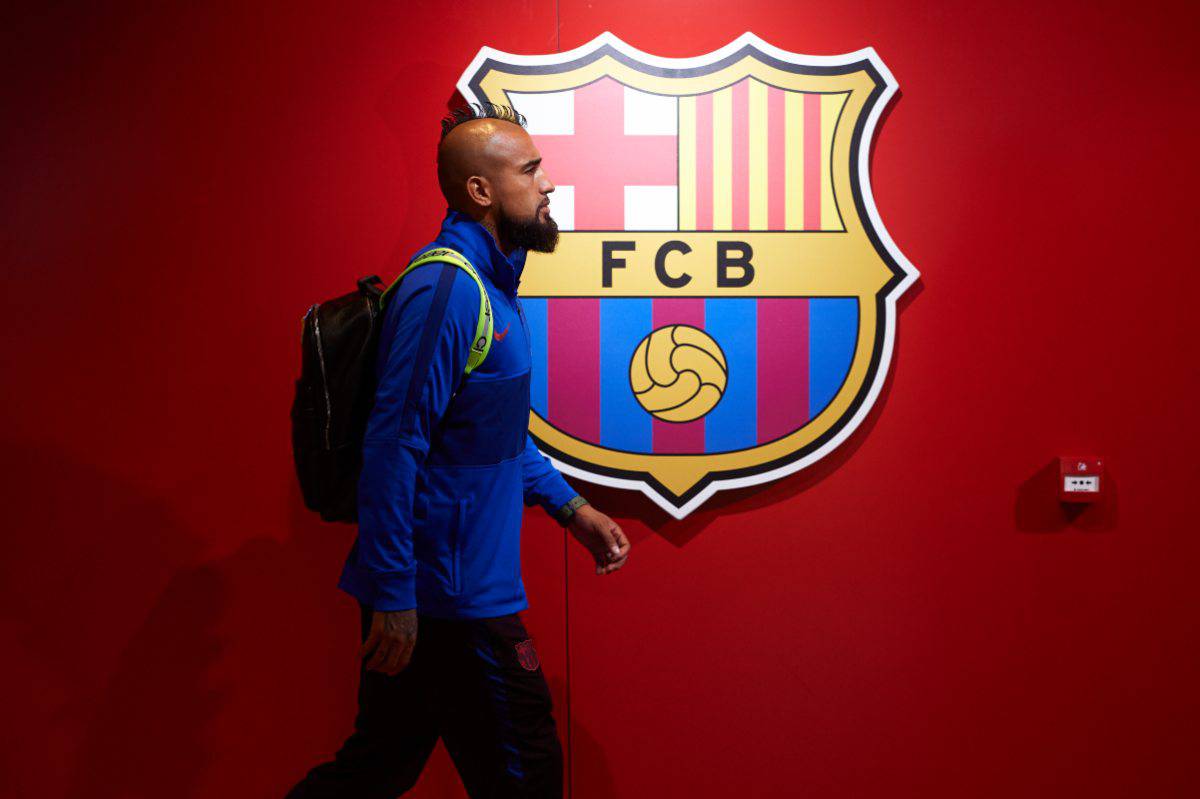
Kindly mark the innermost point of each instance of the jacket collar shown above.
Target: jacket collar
(461, 232)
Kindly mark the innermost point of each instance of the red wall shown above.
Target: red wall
(915, 616)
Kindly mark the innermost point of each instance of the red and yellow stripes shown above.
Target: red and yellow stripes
(756, 157)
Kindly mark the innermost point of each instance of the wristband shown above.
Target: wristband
(567, 511)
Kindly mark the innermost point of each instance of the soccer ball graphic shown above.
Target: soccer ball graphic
(678, 373)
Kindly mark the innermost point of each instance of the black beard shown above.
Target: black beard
(532, 234)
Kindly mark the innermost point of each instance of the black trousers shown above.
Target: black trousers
(477, 685)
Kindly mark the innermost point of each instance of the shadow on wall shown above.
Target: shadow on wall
(1038, 509)
(880, 125)
(590, 768)
(86, 554)
(143, 670)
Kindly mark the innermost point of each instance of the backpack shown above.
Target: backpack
(336, 390)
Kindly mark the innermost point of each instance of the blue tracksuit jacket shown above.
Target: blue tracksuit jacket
(445, 478)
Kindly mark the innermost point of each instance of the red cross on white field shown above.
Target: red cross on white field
(600, 160)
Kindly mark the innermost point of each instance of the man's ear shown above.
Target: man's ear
(480, 191)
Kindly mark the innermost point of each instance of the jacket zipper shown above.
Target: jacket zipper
(460, 514)
(524, 326)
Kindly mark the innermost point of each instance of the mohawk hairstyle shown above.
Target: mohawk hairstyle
(465, 113)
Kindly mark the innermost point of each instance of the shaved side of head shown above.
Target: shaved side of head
(490, 170)
(474, 148)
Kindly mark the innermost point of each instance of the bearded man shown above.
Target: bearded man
(447, 465)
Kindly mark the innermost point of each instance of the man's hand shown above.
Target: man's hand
(393, 636)
(602, 536)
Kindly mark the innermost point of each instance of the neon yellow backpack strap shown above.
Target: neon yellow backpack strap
(484, 327)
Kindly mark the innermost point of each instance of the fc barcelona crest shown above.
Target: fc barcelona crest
(720, 310)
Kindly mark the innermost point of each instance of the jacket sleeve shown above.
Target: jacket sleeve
(544, 485)
(426, 337)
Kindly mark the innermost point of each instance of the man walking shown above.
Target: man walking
(447, 464)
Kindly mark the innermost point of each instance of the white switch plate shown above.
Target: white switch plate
(1081, 484)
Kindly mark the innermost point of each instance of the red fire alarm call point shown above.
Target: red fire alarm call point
(1080, 479)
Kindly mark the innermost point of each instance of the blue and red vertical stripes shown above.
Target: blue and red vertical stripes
(787, 359)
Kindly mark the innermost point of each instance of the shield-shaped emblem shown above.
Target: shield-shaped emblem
(721, 307)
(527, 655)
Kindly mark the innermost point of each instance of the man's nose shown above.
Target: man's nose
(547, 186)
